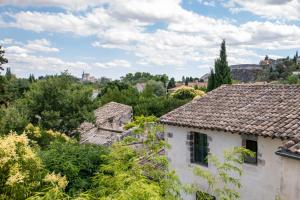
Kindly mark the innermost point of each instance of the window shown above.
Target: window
(251, 145)
(200, 148)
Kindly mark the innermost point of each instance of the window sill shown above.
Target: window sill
(197, 165)
(251, 164)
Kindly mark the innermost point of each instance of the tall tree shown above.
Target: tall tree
(222, 73)
(2, 59)
(8, 73)
(186, 81)
(31, 78)
(222, 70)
(266, 57)
(211, 81)
(295, 57)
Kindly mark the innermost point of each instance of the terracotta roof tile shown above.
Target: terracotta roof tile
(266, 110)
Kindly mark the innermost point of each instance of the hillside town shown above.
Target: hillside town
(149, 100)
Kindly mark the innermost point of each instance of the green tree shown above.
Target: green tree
(31, 78)
(211, 84)
(3, 60)
(12, 119)
(226, 181)
(171, 83)
(186, 81)
(59, 103)
(3, 80)
(8, 74)
(183, 79)
(136, 174)
(222, 70)
(154, 87)
(78, 162)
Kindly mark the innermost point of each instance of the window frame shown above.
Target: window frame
(248, 159)
(201, 148)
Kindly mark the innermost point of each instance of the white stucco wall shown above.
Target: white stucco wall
(290, 174)
(261, 181)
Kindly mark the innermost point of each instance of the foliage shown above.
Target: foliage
(187, 93)
(171, 83)
(12, 119)
(142, 77)
(19, 167)
(78, 162)
(140, 121)
(44, 137)
(226, 181)
(143, 103)
(125, 176)
(222, 74)
(154, 87)
(282, 71)
(59, 103)
(211, 84)
(21, 170)
(293, 79)
(120, 85)
(3, 60)
(54, 191)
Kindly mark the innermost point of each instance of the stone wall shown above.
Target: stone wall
(246, 72)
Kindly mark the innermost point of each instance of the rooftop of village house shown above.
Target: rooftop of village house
(264, 110)
(100, 133)
(110, 110)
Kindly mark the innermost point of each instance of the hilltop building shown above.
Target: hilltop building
(86, 77)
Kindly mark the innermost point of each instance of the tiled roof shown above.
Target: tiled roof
(292, 146)
(265, 110)
(110, 110)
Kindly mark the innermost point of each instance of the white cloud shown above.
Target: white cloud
(6, 41)
(272, 9)
(113, 64)
(208, 2)
(187, 37)
(38, 45)
(41, 45)
(67, 4)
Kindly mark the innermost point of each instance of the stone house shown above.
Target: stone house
(262, 118)
(108, 126)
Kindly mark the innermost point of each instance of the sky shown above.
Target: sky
(113, 37)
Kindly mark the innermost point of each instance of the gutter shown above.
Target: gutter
(288, 154)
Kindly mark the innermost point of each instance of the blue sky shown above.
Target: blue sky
(114, 37)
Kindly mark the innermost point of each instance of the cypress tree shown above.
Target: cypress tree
(186, 81)
(222, 70)
(8, 74)
(211, 84)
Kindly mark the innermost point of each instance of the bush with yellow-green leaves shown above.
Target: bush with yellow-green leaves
(187, 93)
(21, 170)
